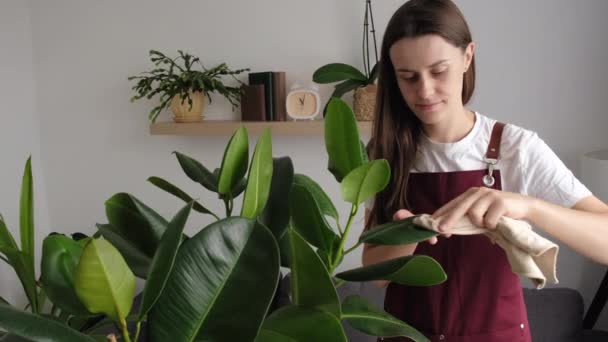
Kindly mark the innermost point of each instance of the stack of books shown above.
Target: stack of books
(264, 98)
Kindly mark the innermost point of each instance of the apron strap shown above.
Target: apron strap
(493, 153)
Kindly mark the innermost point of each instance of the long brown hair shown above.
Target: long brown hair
(396, 129)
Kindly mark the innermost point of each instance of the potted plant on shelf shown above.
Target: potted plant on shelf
(351, 78)
(183, 83)
(194, 284)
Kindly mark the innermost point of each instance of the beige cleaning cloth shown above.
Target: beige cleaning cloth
(529, 254)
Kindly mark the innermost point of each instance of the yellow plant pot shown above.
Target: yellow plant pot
(182, 112)
(364, 102)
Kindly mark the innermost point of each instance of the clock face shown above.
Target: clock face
(302, 104)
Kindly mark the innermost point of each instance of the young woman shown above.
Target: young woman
(450, 161)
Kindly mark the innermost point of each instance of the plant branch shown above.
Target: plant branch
(371, 17)
(353, 212)
(352, 248)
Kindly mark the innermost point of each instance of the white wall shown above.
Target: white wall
(541, 65)
(19, 132)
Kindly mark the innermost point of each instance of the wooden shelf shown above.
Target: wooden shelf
(226, 128)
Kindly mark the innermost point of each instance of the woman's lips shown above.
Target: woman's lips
(428, 107)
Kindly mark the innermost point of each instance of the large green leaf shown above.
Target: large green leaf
(301, 324)
(309, 221)
(275, 215)
(37, 328)
(342, 140)
(234, 162)
(26, 217)
(311, 284)
(226, 273)
(346, 86)
(177, 192)
(136, 222)
(236, 190)
(364, 317)
(20, 263)
(197, 172)
(163, 261)
(365, 181)
(336, 72)
(103, 281)
(6, 238)
(259, 178)
(26, 222)
(413, 270)
(60, 257)
(138, 261)
(319, 196)
(397, 233)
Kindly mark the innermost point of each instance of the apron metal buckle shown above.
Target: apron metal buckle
(488, 180)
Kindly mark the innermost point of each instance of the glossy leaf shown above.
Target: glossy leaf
(103, 281)
(236, 190)
(37, 328)
(163, 261)
(177, 192)
(301, 324)
(365, 181)
(232, 262)
(197, 172)
(346, 86)
(234, 162)
(320, 197)
(60, 257)
(259, 177)
(366, 318)
(364, 154)
(275, 215)
(20, 263)
(342, 140)
(6, 238)
(336, 72)
(138, 261)
(4, 301)
(26, 223)
(413, 270)
(397, 233)
(136, 222)
(308, 220)
(311, 284)
(374, 74)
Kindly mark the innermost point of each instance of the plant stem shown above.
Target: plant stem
(137, 332)
(339, 283)
(352, 248)
(371, 17)
(227, 207)
(125, 331)
(353, 212)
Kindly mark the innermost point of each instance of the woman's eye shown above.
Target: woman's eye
(439, 72)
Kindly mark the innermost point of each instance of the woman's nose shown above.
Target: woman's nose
(425, 88)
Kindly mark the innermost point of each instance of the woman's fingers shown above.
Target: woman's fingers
(401, 214)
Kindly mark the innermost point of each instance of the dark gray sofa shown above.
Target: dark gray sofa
(554, 314)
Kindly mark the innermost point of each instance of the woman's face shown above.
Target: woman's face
(429, 72)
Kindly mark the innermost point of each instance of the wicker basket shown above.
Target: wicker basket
(182, 111)
(365, 102)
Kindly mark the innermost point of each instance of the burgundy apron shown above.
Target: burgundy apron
(482, 299)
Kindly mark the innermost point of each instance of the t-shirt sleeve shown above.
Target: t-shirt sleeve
(546, 177)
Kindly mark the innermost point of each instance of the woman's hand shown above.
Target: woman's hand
(403, 214)
(484, 207)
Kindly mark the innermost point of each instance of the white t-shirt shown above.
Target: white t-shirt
(527, 165)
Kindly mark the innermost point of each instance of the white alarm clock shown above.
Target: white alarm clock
(303, 103)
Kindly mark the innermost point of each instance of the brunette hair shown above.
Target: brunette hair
(396, 129)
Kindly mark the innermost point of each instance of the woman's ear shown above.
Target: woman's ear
(468, 55)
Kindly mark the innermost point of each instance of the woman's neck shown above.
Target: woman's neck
(455, 127)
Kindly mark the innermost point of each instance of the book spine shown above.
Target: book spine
(279, 95)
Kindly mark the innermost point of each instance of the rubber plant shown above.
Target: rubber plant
(219, 283)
